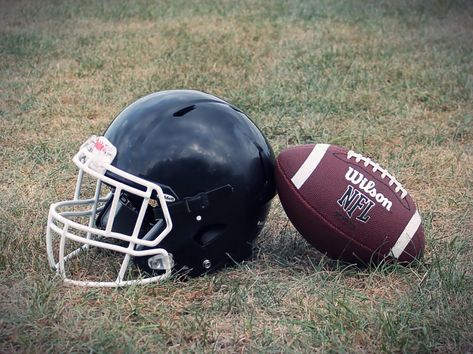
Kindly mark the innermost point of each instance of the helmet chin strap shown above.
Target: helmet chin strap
(151, 234)
(198, 202)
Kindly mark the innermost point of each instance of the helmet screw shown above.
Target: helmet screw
(206, 264)
(198, 217)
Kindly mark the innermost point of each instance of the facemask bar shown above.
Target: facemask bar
(94, 158)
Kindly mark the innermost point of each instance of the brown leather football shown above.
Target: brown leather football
(347, 206)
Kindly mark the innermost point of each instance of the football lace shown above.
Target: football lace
(367, 162)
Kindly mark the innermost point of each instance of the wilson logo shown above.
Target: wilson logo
(368, 187)
(353, 199)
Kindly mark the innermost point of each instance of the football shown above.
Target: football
(348, 206)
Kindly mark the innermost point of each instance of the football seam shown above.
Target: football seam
(374, 252)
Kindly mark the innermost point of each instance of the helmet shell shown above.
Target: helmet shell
(192, 143)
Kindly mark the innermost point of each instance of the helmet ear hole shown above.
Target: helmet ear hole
(209, 234)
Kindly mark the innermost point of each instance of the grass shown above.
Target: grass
(391, 79)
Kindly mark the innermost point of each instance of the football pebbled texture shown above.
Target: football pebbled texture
(347, 206)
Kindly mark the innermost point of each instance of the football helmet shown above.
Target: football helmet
(182, 182)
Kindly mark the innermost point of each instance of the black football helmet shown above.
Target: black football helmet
(190, 179)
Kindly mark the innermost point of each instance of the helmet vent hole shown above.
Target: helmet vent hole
(209, 234)
(184, 111)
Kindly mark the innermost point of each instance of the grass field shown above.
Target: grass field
(390, 79)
